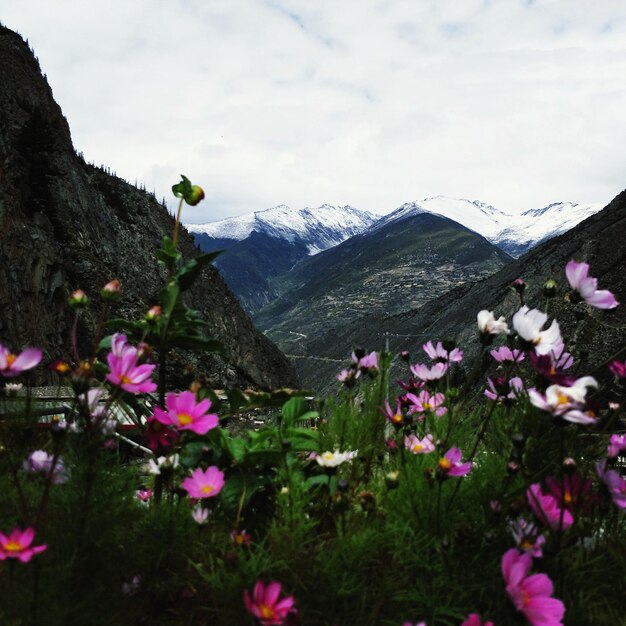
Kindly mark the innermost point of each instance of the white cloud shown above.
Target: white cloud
(359, 102)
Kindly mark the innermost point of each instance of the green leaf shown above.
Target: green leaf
(297, 410)
(169, 298)
(188, 273)
(191, 454)
(183, 188)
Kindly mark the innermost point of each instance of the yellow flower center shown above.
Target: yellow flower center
(184, 419)
(13, 546)
(417, 447)
(444, 463)
(567, 497)
(125, 380)
(328, 456)
(207, 489)
(526, 545)
(239, 539)
(427, 406)
(525, 598)
(562, 399)
(266, 611)
(10, 359)
(397, 418)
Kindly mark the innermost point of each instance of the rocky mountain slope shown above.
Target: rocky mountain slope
(263, 246)
(66, 224)
(599, 240)
(386, 270)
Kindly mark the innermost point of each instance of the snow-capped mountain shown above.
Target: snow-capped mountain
(318, 228)
(515, 234)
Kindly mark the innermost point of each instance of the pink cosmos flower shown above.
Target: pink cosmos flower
(571, 490)
(369, 362)
(547, 508)
(241, 538)
(425, 373)
(12, 365)
(200, 515)
(617, 443)
(18, 545)
(427, 402)
(504, 353)
(528, 324)
(204, 484)
(566, 402)
(530, 594)
(158, 435)
(439, 353)
(587, 286)
(416, 624)
(125, 370)
(527, 537)
(266, 604)
(474, 619)
(40, 462)
(450, 464)
(614, 483)
(503, 390)
(348, 377)
(184, 413)
(618, 368)
(552, 365)
(395, 417)
(419, 446)
(143, 495)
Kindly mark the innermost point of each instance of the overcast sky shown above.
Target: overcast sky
(518, 103)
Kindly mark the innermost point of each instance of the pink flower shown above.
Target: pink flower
(504, 353)
(124, 369)
(266, 606)
(395, 417)
(530, 594)
(143, 495)
(159, 436)
(617, 443)
(241, 538)
(12, 365)
(348, 377)
(503, 390)
(367, 363)
(427, 402)
(587, 286)
(204, 484)
(618, 368)
(450, 464)
(40, 462)
(474, 619)
(528, 324)
(571, 490)
(527, 537)
(419, 446)
(18, 545)
(425, 373)
(439, 353)
(200, 515)
(566, 402)
(614, 483)
(547, 508)
(185, 414)
(551, 365)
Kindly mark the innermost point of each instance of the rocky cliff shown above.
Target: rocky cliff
(66, 224)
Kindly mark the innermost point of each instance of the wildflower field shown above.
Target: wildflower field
(428, 500)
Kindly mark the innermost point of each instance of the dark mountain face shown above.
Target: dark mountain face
(392, 269)
(599, 240)
(65, 224)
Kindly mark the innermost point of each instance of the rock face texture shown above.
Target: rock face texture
(66, 224)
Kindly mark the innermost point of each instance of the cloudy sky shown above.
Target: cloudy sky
(372, 103)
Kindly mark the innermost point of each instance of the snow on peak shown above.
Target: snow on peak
(319, 228)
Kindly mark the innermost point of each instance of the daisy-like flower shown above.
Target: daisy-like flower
(530, 595)
(450, 464)
(158, 435)
(395, 417)
(425, 373)
(143, 495)
(489, 325)
(184, 413)
(474, 619)
(204, 484)
(547, 508)
(12, 365)
(200, 515)
(504, 390)
(267, 605)
(587, 286)
(333, 459)
(552, 366)
(427, 402)
(18, 545)
(439, 353)
(366, 363)
(566, 402)
(504, 353)
(40, 462)
(162, 464)
(571, 490)
(527, 537)
(241, 538)
(528, 324)
(614, 483)
(419, 446)
(348, 377)
(125, 370)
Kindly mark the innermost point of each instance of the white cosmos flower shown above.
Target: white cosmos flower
(566, 402)
(528, 324)
(488, 324)
(332, 459)
(163, 462)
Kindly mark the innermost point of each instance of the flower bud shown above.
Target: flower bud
(112, 291)
(392, 480)
(519, 284)
(78, 299)
(404, 355)
(195, 196)
(569, 465)
(154, 313)
(549, 288)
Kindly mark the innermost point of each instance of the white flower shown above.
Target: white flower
(425, 373)
(488, 324)
(332, 459)
(566, 402)
(200, 515)
(528, 324)
(163, 462)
